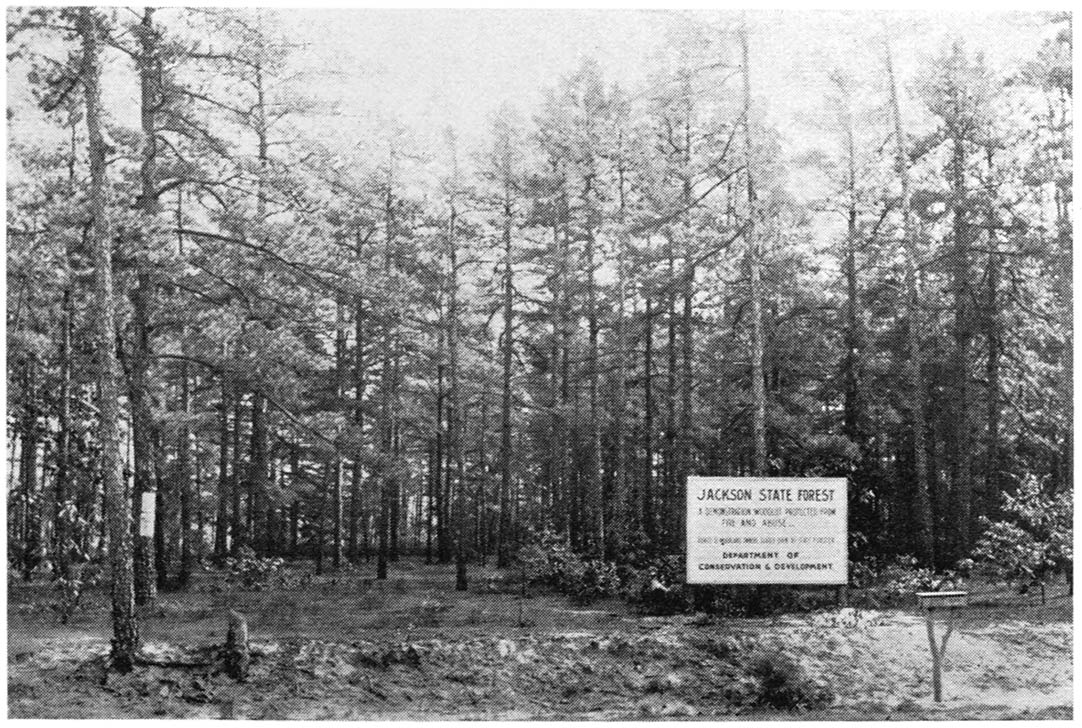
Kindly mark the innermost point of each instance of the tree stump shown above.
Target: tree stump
(237, 654)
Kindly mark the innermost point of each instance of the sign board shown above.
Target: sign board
(767, 531)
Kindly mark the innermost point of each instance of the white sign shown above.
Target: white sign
(146, 514)
(767, 531)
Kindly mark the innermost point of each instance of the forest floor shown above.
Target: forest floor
(346, 647)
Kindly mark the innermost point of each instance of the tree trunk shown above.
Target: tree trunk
(648, 520)
(162, 510)
(295, 511)
(125, 628)
(143, 453)
(28, 473)
(257, 473)
(294, 526)
(754, 256)
(564, 451)
(924, 537)
(443, 544)
(503, 532)
(455, 419)
(852, 418)
(672, 396)
(994, 338)
(321, 513)
(595, 512)
(356, 510)
(618, 523)
(430, 494)
(961, 456)
(395, 496)
(341, 375)
(555, 461)
(145, 492)
(687, 286)
(184, 486)
(388, 404)
(62, 529)
(221, 526)
(237, 529)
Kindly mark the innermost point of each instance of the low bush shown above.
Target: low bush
(1033, 543)
(897, 580)
(597, 580)
(549, 561)
(777, 681)
(251, 572)
(69, 595)
(658, 588)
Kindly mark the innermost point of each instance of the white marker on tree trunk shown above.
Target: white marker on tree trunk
(146, 514)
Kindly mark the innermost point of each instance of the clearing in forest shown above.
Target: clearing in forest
(348, 647)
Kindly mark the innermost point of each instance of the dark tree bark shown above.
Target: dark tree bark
(65, 534)
(618, 520)
(162, 510)
(28, 472)
(388, 401)
(503, 532)
(62, 530)
(961, 456)
(221, 524)
(595, 512)
(185, 482)
(149, 67)
(257, 474)
(852, 362)
(237, 526)
(321, 513)
(443, 535)
(125, 627)
(295, 511)
(430, 491)
(687, 288)
(340, 375)
(455, 444)
(994, 354)
(357, 512)
(754, 256)
(649, 522)
(914, 366)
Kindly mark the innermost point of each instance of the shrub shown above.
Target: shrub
(779, 682)
(427, 613)
(597, 580)
(549, 561)
(896, 580)
(251, 572)
(1034, 543)
(69, 594)
(658, 588)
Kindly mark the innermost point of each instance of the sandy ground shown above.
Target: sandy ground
(345, 647)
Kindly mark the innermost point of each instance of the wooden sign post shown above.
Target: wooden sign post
(931, 601)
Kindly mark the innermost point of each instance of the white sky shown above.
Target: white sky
(430, 69)
(434, 68)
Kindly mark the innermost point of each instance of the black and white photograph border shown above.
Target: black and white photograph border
(506, 363)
